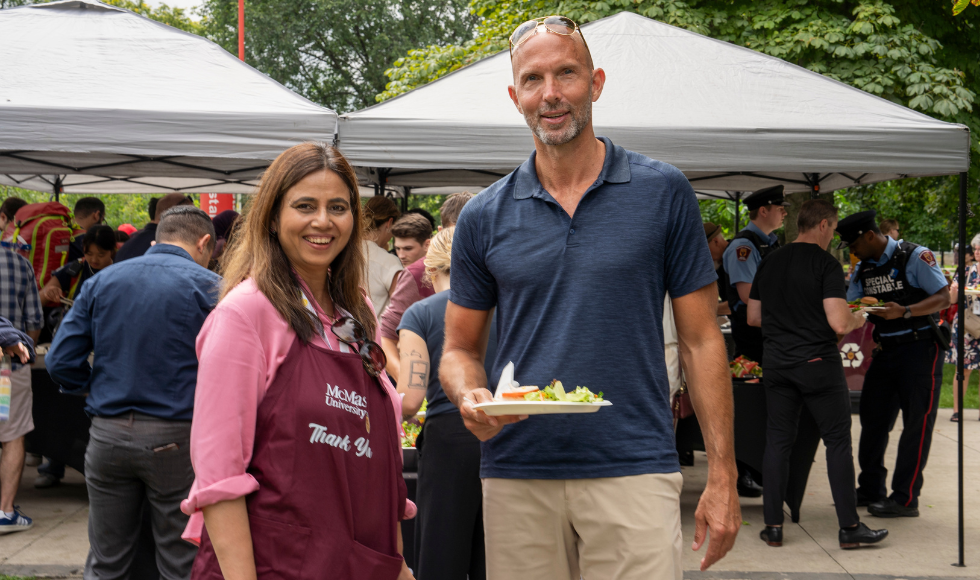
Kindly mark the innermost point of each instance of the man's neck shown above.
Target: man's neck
(765, 229)
(809, 237)
(883, 241)
(566, 171)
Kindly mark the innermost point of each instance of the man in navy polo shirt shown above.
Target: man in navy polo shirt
(576, 250)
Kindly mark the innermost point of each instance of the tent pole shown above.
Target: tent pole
(961, 330)
(241, 30)
(738, 208)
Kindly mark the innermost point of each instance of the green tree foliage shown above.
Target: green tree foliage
(335, 52)
(918, 55)
(119, 208)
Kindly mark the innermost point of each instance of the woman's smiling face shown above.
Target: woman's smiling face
(315, 222)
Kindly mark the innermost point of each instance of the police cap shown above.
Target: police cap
(768, 196)
(854, 226)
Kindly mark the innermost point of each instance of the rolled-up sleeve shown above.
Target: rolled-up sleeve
(231, 379)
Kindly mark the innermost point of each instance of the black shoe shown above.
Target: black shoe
(955, 417)
(747, 487)
(686, 458)
(851, 538)
(889, 508)
(773, 536)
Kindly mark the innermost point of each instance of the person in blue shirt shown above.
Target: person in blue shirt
(907, 371)
(140, 318)
(576, 251)
(741, 261)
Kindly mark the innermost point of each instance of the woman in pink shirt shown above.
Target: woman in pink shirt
(295, 439)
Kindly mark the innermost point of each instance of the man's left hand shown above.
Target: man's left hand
(19, 351)
(892, 311)
(718, 519)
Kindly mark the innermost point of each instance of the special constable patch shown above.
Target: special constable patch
(743, 253)
(927, 257)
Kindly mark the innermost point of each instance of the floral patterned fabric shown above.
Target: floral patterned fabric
(971, 348)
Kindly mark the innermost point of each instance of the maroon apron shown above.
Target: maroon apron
(327, 459)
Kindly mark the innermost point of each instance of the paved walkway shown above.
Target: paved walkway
(916, 548)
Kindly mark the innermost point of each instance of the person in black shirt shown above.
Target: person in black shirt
(99, 248)
(798, 299)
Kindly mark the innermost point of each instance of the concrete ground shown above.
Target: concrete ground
(916, 548)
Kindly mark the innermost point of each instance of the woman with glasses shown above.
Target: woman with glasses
(449, 527)
(295, 440)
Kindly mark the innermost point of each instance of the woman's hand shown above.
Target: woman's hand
(406, 573)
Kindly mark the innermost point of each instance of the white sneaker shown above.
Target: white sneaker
(45, 480)
(32, 460)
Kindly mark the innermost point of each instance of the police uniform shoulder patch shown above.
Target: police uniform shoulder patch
(928, 257)
(743, 253)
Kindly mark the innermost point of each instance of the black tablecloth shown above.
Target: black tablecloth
(750, 440)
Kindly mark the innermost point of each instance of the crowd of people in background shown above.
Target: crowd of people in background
(247, 376)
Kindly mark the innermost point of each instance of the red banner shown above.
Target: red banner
(215, 203)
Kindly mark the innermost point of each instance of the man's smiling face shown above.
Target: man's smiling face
(553, 86)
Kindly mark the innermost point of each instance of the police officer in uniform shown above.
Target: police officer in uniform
(907, 370)
(741, 260)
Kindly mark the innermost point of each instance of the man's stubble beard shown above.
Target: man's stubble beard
(580, 119)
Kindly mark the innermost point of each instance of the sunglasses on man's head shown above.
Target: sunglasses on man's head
(351, 332)
(556, 24)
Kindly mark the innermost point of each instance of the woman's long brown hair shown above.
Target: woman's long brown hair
(257, 253)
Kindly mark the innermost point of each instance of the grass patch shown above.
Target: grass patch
(971, 399)
(5, 577)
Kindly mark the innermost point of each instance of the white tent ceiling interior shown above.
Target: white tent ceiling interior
(96, 99)
(732, 119)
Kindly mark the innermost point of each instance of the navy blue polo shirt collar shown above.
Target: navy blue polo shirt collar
(615, 169)
(170, 249)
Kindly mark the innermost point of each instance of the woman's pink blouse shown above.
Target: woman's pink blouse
(239, 349)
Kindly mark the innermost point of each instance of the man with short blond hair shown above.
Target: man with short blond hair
(550, 249)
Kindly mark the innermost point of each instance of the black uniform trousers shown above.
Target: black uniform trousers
(820, 385)
(748, 339)
(449, 525)
(906, 377)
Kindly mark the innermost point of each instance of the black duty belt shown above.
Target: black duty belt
(925, 334)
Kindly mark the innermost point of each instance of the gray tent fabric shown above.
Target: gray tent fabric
(730, 118)
(97, 99)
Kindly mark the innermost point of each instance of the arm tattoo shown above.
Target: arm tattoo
(418, 375)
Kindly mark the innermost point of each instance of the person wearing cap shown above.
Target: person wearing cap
(798, 300)
(907, 370)
(716, 246)
(741, 261)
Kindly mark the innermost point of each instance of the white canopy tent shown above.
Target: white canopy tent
(731, 118)
(97, 99)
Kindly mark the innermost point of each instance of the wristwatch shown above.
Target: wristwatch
(908, 312)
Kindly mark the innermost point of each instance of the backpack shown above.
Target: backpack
(42, 232)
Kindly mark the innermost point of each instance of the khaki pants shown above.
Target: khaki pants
(617, 528)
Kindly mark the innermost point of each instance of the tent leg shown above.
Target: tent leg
(738, 208)
(961, 330)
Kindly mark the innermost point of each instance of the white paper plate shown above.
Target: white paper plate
(873, 309)
(538, 407)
